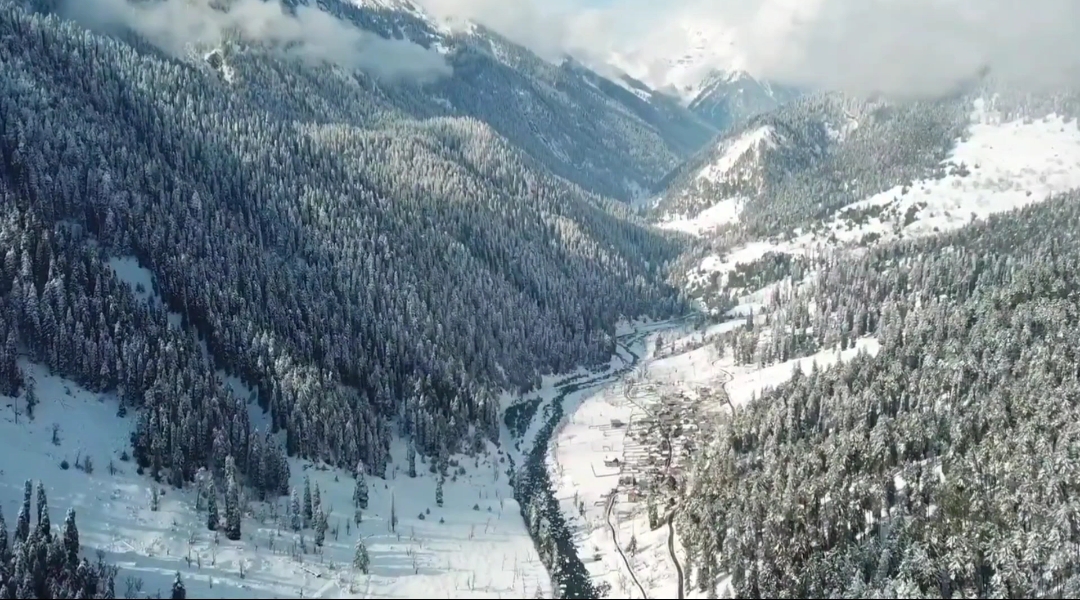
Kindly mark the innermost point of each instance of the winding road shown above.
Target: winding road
(671, 551)
(615, 540)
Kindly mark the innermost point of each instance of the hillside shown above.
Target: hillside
(942, 233)
(575, 123)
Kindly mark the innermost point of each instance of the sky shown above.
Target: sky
(908, 47)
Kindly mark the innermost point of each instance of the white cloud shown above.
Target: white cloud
(926, 47)
(310, 34)
(922, 47)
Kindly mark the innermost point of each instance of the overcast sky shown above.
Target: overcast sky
(892, 46)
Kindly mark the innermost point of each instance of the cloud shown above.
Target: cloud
(896, 47)
(926, 47)
(310, 35)
(543, 26)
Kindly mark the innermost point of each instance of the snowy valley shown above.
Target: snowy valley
(281, 325)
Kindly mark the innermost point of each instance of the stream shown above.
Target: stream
(534, 491)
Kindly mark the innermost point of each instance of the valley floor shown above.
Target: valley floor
(612, 442)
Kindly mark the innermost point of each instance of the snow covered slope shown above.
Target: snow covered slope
(740, 164)
(474, 546)
(999, 165)
(725, 212)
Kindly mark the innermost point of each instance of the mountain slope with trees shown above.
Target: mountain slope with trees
(357, 266)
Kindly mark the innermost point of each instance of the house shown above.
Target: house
(611, 461)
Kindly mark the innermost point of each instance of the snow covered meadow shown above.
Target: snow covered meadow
(473, 545)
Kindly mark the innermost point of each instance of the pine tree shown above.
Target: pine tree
(393, 513)
(361, 560)
(178, 590)
(439, 492)
(412, 460)
(295, 514)
(212, 516)
(22, 524)
(232, 501)
(632, 546)
(320, 528)
(31, 398)
(21, 580)
(309, 512)
(443, 459)
(358, 515)
(71, 539)
(5, 552)
(360, 493)
(316, 500)
(44, 526)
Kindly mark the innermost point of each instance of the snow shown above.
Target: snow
(395, 5)
(139, 278)
(141, 281)
(483, 553)
(725, 212)
(733, 150)
(748, 382)
(679, 55)
(1012, 164)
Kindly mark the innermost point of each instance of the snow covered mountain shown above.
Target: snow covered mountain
(746, 162)
(218, 252)
(574, 122)
(828, 171)
(727, 98)
(698, 63)
(679, 57)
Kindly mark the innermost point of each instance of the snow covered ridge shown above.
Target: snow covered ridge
(749, 145)
(997, 167)
(470, 543)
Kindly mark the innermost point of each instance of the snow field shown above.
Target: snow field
(475, 546)
(481, 550)
(725, 212)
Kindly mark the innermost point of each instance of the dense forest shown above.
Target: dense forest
(359, 269)
(941, 467)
